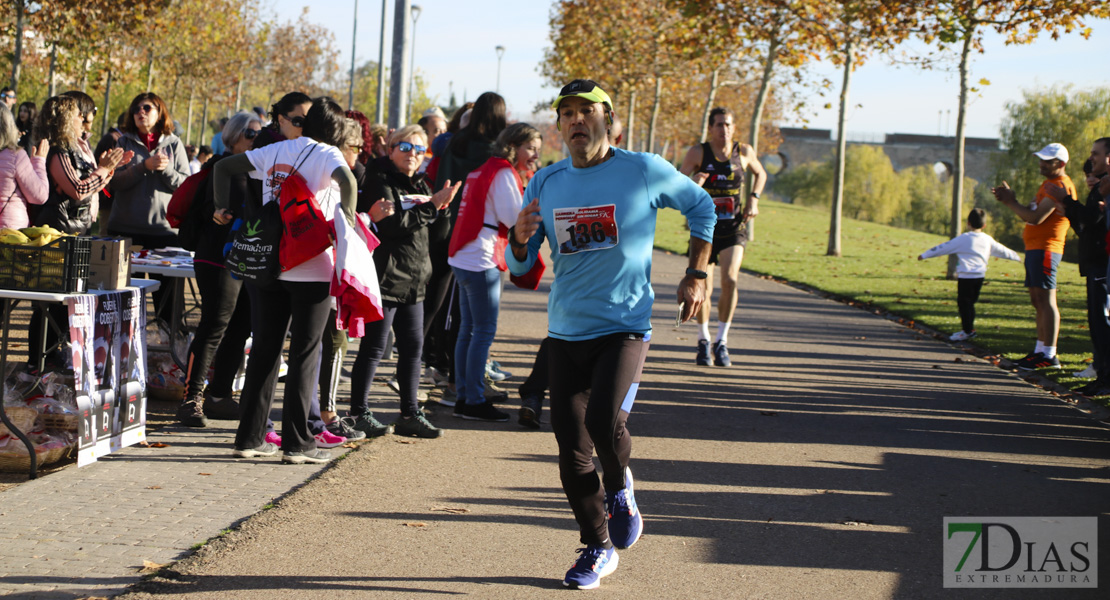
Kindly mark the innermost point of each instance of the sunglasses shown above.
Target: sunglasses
(297, 122)
(144, 108)
(250, 134)
(355, 148)
(409, 147)
(8, 95)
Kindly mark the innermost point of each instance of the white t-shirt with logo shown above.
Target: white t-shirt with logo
(315, 162)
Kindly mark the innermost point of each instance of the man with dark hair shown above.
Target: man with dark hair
(1044, 233)
(597, 210)
(1089, 222)
(719, 165)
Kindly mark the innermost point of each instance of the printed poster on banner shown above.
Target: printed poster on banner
(106, 351)
(81, 314)
(587, 228)
(130, 417)
(109, 366)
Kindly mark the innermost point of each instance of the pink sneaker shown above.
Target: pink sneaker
(327, 439)
(273, 438)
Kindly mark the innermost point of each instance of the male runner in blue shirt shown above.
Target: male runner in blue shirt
(597, 210)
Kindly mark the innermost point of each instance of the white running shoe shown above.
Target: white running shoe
(1087, 373)
(961, 336)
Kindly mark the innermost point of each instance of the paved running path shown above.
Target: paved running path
(819, 466)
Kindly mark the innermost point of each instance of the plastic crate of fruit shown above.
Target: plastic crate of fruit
(42, 259)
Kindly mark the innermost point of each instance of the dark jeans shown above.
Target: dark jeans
(164, 295)
(407, 321)
(967, 294)
(1099, 324)
(301, 308)
(536, 384)
(225, 325)
(593, 386)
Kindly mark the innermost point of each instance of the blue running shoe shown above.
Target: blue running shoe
(594, 562)
(625, 522)
(703, 353)
(720, 355)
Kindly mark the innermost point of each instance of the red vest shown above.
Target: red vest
(472, 209)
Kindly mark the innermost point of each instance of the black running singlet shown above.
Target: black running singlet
(723, 185)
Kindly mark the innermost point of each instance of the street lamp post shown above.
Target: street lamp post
(500, 52)
(379, 111)
(354, 40)
(412, 60)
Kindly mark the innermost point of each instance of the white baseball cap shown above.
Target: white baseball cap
(1052, 151)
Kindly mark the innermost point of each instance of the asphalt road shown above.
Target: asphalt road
(820, 465)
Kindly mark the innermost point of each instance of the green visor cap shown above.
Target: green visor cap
(583, 88)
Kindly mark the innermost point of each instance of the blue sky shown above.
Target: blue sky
(455, 50)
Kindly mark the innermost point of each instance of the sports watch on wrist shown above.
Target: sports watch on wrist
(696, 274)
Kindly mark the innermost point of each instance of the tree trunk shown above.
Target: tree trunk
(238, 94)
(189, 126)
(50, 86)
(85, 74)
(757, 117)
(17, 56)
(107, 105)
(150, 70)
(958, 162)
(841, 147)
(714, 83)
(630, 122)
(655, 113)
(764, 92)
(173, 94)
(203, 121)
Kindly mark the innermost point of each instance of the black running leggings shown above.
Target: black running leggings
(593, 385)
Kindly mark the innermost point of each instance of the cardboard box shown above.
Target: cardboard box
(109, 265)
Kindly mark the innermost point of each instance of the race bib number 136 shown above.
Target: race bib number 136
(586, 228)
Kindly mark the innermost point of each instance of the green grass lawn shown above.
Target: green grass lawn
(879, 266)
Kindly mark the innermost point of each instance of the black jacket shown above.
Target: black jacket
(1089, 222)
(213, 236)
(402, 260)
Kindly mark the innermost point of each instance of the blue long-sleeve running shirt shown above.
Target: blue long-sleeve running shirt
(600, 223)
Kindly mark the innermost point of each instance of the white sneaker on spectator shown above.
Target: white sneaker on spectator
(1087, 373)
(961, 336)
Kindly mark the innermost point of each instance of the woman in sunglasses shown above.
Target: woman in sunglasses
(401, 205)
(286, 119)
(225, 317)
(142, 187)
